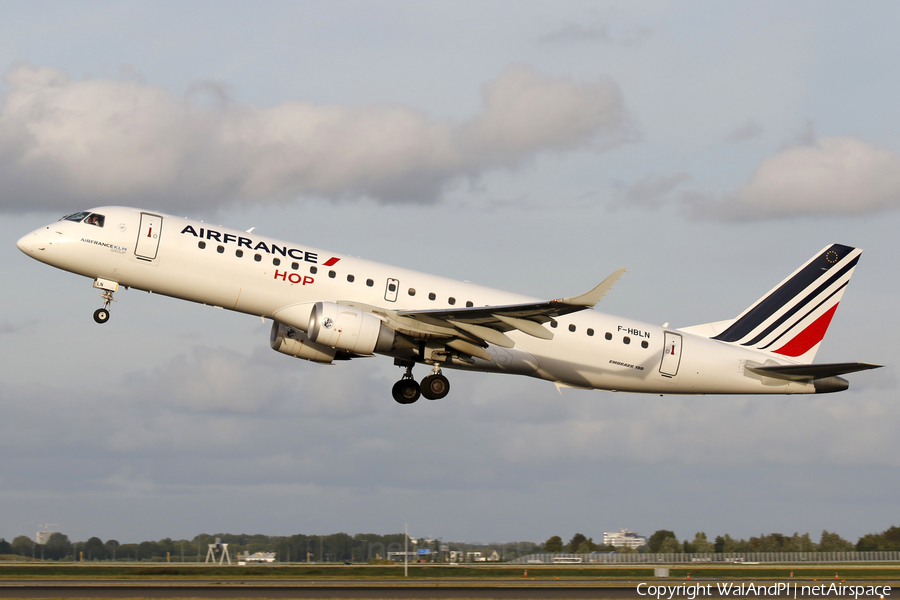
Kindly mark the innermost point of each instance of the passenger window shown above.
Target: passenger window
(313, 270)
(276, 261)
(295, 266)
(644, 344)
(572, 328)
(469, 304)
(608, 335)
(201, 244)
(95, 220)
(350, 278)
(626, 340)
(553, 324)
(220, 249)
(590, 332)
(451, 301)
(412, 291)
(331, 274)
(369, 282)
(257, 257)
(431, 296)
(392, 287)
(239, 253)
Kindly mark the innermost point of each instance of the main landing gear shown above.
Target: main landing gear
(101, 315)
(433, 387)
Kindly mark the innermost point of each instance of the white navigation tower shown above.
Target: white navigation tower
(218, 547)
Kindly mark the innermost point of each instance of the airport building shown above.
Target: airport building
(623, 539)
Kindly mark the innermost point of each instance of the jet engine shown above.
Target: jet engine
(348, 328)
(287, 340)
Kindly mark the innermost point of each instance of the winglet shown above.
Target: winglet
(593, 297)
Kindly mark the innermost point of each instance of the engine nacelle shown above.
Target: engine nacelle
(348, 328)
(288, 340)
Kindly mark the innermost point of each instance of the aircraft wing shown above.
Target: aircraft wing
(470, 329)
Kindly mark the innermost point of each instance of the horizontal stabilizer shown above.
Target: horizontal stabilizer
(810, 372)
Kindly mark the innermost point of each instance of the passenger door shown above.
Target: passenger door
(148, 237)
(671, 355)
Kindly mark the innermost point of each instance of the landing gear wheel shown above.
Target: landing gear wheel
(101, 315)
(435, 386)
(406, 391)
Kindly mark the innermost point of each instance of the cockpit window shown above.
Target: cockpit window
(77, 217)
(95, 219)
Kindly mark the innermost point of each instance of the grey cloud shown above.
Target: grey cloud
(747, 131)
(9, 328)
(575, 33)
(67, 143)
(654, 190)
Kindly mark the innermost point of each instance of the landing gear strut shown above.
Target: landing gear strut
(101, 315)
(435, 386)
(406, 391)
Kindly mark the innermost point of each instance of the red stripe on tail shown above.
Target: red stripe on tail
(809, 337)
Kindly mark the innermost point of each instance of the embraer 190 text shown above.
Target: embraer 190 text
(328, 307)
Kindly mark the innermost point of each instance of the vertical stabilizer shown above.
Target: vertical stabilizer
(792, 319)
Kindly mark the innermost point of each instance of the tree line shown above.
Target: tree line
(337, 547)
(363, 547)
(666, 542)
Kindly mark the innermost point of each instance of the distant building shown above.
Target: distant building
(623, 539)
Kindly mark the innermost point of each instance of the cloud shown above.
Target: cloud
(813, 176)
(747, 131)
(576, 33)
(67, 143)
(652, 191)
(832, 176)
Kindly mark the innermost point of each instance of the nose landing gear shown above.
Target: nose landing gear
(101, 315)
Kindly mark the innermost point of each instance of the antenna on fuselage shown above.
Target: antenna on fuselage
(250, 230)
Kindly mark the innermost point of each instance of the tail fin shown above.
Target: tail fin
(791, 320)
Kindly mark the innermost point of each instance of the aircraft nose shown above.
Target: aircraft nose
(26, 243)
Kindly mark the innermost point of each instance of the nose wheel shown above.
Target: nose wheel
(101, 315)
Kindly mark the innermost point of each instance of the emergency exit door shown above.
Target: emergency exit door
(671, 355)
(148, 237)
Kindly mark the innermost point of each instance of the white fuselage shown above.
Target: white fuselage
(589, 349)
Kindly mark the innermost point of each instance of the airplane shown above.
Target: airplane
(328, 307)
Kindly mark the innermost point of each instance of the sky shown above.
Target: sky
(711, 148)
